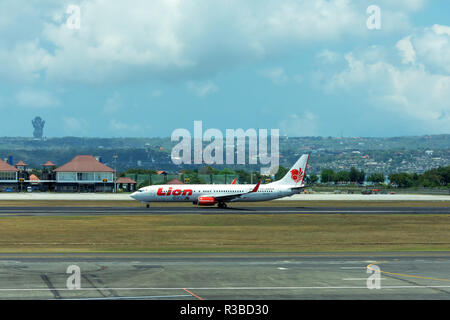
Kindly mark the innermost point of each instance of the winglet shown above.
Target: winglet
(256, 187)
(234, 181)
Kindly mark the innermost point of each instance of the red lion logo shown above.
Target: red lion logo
(297, 175)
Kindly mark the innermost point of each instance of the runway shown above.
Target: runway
(236, 209)
(228, 276)
(224, 276)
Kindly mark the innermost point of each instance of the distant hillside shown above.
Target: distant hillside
(413, 154)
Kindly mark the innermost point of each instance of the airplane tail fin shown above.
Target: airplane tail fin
(296, 174)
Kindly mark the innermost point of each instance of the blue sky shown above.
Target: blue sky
(140, 68)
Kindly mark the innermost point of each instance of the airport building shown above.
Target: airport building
(48, 177)
(84, 174)
(9, 177)
(126, 184)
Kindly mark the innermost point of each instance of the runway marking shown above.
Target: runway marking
(133, 298)
(357, 279)
(193, 294)
(407, 275)
(227, 288)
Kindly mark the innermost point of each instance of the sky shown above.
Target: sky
(138, 68)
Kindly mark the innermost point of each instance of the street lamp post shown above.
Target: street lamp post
(115, 172)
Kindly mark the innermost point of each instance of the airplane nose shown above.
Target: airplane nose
(133, 195)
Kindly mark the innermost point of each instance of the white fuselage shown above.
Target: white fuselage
(191, 193)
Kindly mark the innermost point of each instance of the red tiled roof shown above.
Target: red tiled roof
(49, 164)
(33, 177)
(125, 180)
(84, 164)
(6, 167)
(21, 163)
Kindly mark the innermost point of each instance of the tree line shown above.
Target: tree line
(438, 177)
(354, 175)
(432, 178)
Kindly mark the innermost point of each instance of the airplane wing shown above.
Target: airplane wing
(230, 197)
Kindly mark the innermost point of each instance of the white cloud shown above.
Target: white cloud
(202, 89)
(405, 5)
(36, 99)
(113, 104)
(406, 50)
(120, 126)
(280, 77)
(327, 56)
(432, 46)
(25, 62)
(408, 90)
(441, 30)
(299, 125)
(277, 75)
(75, 126)
(173, 39)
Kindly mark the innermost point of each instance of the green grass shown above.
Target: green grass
(226, 233)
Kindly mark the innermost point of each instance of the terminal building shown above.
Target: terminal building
(126, 184)
(48, 177)
(84, 174)
(9, 177)
(22, 175)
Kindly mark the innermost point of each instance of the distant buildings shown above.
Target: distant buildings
(126, 184)
(9, 177)
(82, 174)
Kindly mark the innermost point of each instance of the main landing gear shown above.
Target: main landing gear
(222, 205)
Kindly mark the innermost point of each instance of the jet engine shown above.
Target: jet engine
(206, 201)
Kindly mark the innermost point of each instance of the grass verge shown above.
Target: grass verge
(226, 233)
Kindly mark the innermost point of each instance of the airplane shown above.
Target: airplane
(221, 194)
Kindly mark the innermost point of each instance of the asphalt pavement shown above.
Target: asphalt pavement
(234, 209)
(226, 276)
